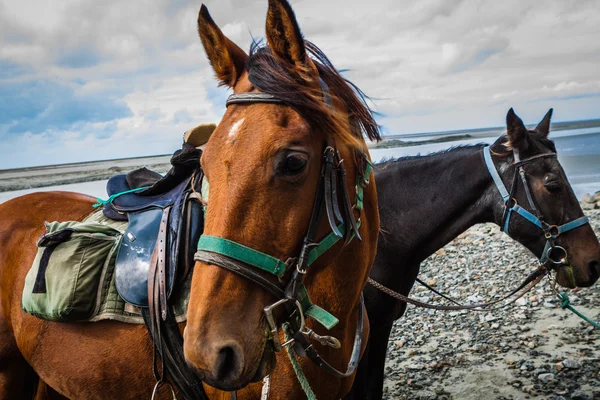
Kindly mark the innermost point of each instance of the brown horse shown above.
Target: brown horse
(264, 162)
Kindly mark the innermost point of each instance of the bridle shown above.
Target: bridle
(553, 255)
(292, 295)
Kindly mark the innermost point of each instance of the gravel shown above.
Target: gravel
(531, 349)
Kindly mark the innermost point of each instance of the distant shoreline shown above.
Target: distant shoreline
(391, 143)
(88, 171)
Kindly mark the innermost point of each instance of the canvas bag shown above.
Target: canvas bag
(63, 282)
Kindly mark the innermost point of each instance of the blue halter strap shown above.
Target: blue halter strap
(550, 232)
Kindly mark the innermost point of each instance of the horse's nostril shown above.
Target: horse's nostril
(227, 366)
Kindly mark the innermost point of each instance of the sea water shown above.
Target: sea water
(578, 152)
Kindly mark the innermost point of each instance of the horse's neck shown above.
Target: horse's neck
(425, 202)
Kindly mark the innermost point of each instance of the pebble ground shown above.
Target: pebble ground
(531, 349)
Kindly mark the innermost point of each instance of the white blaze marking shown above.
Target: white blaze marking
(235, 128)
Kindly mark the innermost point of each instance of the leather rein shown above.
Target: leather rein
(552, 255)
(292, 295)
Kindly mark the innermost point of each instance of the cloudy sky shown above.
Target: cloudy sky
(83, 79)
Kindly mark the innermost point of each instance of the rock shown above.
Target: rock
(588, 198)
(527, 366)
(522, 301)
(596, 196)
(546, 377)
(571, 364)
(559, 366)
(432, 282)
(580, 395)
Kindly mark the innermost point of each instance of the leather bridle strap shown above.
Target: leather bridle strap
(239, 268)
(251, 98)
(314, 356)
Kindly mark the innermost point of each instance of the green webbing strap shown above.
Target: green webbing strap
(101, 202)
(310, 395)
(566, 303)
(327, 243)
(317, 313)
(242, 253)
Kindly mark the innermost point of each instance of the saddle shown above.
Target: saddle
(166, 220)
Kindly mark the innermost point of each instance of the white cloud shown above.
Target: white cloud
(429, 65)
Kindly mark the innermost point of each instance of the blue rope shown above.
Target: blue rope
(102, 203)
(566, 303)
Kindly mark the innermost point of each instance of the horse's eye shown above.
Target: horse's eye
(553, 186)
(293, 164)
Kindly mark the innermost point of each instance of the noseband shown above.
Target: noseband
(552, 253)
(292, 294)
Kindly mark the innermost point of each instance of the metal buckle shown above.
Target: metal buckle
(557, 260)
(268, 310)
(323, 340)
(554, 230)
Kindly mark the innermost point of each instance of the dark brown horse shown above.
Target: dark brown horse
(264, 162)
(425, 202)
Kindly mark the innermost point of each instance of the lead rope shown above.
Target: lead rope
(526, 287)
(310, 395)
(565, 303)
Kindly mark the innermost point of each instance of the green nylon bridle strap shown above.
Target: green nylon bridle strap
(242, 253)
(261, 260)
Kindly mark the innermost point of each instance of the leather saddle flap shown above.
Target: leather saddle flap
(134, 256)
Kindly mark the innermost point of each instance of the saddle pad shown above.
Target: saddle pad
(134, 256)
(111, 306)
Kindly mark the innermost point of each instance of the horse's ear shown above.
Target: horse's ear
(283, 34)
(543, 127)
(226, 58)
(516, 131)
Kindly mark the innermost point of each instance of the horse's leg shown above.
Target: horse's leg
(17, 379)
(45, 392)
(378, 345)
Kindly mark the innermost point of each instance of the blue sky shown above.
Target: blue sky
(83, 80)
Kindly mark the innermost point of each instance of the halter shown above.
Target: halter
(242, 260)
(553, 253)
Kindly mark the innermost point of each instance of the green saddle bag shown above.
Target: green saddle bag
(64, 280)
